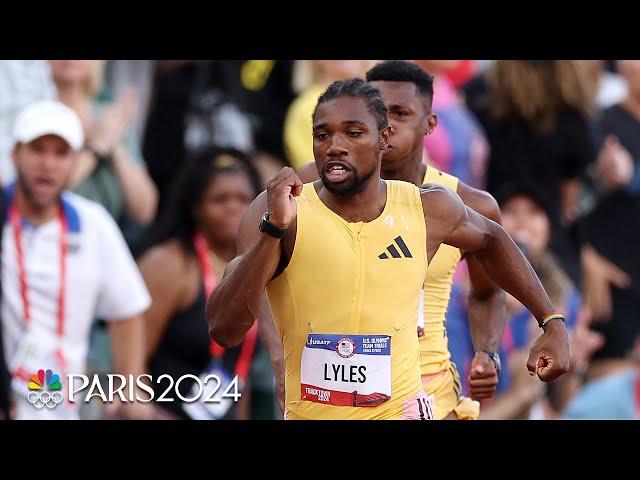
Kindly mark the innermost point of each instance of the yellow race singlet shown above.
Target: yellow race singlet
(434, 347)
(347, 308)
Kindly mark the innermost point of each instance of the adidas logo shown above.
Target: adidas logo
(393, 251)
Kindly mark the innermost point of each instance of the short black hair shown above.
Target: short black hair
(357, 87)
(528, 189)
(402, 71)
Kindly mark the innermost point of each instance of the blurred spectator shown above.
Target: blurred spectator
(461, 72)
(612, 230)
(458, 145)
(536, 118)
(5, 384)
(122, 75)
(164, 145)
(5, 376)
(605, 87)
(110, 170)
(264, 89)
(615, 396)
(311, 78)
(63, 261)
(232, 103)
(22, 82)
(194, 241)
(526, 217)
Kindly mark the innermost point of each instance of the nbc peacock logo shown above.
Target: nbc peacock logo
(44, 390)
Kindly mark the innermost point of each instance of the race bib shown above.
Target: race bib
(346, 370)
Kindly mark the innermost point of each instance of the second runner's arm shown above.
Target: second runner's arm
(486, 302)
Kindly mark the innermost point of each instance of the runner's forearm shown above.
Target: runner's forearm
(236, 302)
(505, 264)
(487, 320)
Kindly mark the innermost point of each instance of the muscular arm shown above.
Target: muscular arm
(450, 221)
(486, 302)
(236, 302)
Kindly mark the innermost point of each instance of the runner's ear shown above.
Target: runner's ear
(385, 134)
(431, 124)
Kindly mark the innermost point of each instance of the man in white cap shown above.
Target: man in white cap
(64, 262)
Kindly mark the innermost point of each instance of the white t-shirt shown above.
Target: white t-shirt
(102, 279)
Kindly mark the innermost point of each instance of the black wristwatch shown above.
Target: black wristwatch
(269, 228)
(495, 358)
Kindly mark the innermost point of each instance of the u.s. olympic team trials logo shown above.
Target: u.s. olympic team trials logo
(44, 390)
(345, 347)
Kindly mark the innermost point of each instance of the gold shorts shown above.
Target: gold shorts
(445, 387)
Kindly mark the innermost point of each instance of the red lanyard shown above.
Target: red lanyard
(210, 282)
(24, 286)
(14, 217)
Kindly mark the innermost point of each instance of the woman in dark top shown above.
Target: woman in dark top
(536, 118)
(191, 248)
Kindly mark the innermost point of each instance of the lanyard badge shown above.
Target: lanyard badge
(216, 401)
(35, 346)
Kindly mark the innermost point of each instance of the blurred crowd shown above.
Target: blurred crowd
(175, 150)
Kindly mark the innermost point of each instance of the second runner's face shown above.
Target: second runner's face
(347, 144)
(409, 118)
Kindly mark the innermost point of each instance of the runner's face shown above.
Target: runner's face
(44, 167)
(347, 145)
(409, 117)
(223, 204)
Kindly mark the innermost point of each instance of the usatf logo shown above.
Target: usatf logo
(393, 251)
(44, 390)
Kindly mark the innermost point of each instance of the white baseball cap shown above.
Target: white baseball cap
(48, 118)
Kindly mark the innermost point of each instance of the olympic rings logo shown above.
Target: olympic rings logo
(44, 399)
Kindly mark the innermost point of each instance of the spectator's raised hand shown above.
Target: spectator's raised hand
(599, 274)
(614, 165)
(584, 342)
(113, 124)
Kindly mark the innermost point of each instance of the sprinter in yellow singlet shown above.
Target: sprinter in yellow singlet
(344, 260)
(408, 92)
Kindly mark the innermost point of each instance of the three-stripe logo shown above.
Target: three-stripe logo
(393, 251)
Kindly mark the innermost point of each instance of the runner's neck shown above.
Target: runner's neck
(360, 207)
(412, 171)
